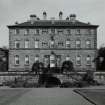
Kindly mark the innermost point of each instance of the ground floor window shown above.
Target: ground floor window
(88, 60)
(26, 60)
(36, 58)
(78, 60)
(16, 59)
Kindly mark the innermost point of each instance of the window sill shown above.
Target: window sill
(16, 65)
(26, 65)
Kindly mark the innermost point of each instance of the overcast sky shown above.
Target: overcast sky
(92, 11)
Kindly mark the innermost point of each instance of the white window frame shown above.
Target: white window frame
(78, 59)
(36, 58)
(78, 43)
(27, 60)
(16, 59)
(36, 44)
(67, 58)
(68, 44)
(88, 60)
(26, 44)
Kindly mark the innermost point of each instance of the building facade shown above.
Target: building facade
(52, 42)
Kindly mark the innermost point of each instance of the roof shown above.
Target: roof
(53, 23)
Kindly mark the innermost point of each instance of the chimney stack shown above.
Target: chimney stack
(60, 15)
(72, 17)
(33, 18)
(67, 18)
(44, 15)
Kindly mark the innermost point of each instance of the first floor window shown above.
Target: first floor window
(17, 44)
(67, 58)
(17, 60)
(88, 60)
(26, 43)
(26, 60)
(78, 60)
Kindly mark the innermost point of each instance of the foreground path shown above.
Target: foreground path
(49, 96)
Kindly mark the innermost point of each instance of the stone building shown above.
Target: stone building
(52, 41)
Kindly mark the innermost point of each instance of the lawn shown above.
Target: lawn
(96, 96)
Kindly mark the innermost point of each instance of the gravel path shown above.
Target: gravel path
(50, 96)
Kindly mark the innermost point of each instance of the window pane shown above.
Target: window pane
(78, 44)
(78, 60)
(67, 44)
(36, 58)
(26, 59)
(16, 60)
(88, 60)
(67, 58)
(88, 44)
(36, 44)
(27, 44)
(17, 44)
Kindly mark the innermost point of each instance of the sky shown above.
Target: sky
(92, 11)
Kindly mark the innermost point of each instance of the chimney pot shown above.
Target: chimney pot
(33, 18)
(60, 15)
(67, 18)
(44, 15)
(72, 17)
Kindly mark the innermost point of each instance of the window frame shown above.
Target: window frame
(36, 43)
(17, 43)
(27, 56)
(78, 64)
(68, 43)
(78, 44)
(18, 60)
(88, 43)
(26, 45)
(88, 62)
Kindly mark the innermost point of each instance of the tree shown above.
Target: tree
(37, 67)
(67, 66)
(100, 59)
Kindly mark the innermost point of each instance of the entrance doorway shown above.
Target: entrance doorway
(52, 60)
